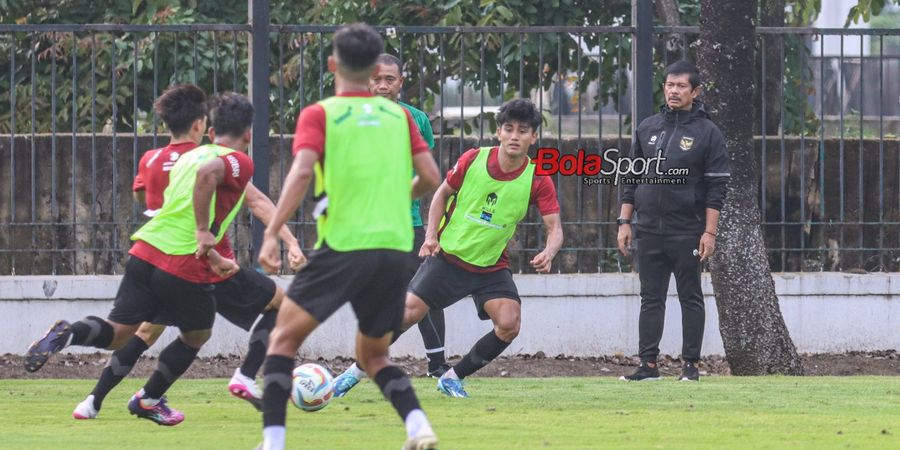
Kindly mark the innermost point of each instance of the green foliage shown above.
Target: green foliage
(865, 9)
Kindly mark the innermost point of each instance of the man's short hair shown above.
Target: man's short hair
(230, 114)
(179, 106)
(522, 110)
(357, 47)
(388, 59)
(684, 67)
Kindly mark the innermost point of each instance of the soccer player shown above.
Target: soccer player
(492, 188)
(387, 82)
(362, 149)
(167, 275)
(240, 298)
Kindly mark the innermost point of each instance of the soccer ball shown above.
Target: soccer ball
(312, 387)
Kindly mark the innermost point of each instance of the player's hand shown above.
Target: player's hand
(205, 242)
(542, 262)
(224, 267)
(707, 246)
(431, 247)
(269, 257)
(296, 258)
(624, 238)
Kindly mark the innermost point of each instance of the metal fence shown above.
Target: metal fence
(78, 115)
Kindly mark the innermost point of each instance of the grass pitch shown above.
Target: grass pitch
(554, 413)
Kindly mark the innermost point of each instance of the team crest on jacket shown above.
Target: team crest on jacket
(686, 143)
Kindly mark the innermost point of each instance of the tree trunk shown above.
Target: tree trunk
(755, 337)
(771, 14)
(671, 44)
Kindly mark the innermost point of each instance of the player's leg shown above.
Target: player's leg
(436, 280)
(655, 271)
(292, 327)
(316, 293)
(432, 326)
(192, 308)
(432, 329)
(414, 310)
(380, 308)
(690, 295)
(246, 297)
(506, 314)
(117, 368)
(134, 304)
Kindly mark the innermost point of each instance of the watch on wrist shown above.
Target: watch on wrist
(621, 221)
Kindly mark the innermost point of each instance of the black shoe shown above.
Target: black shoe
(439, 371)
(689, 372)
(643, 373)
(54, 340)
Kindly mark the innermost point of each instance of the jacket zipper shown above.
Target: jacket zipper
(659, 191)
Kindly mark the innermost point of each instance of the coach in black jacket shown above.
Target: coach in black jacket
(673, 209)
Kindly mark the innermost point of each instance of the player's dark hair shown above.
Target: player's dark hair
(684, 67)
(357, 46)
(230, 114)
(179, 106)
(388, 59)
(522, 110)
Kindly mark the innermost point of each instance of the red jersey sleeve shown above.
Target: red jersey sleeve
(310, 131)
(543, 195)
(456, 174)
(238, 170)
(139, 183)
(417, 142)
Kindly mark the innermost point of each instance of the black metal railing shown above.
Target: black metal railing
(77, 116)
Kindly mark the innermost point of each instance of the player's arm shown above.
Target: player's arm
(543, 260)
(293, 191)
(209, 177)
(428, 176)
(431, 246)
(262, 207)
(221, 265)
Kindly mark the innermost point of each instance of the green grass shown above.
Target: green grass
(561, 413)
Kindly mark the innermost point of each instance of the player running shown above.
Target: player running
(167, 276)
(492, 188)
(362, 149)
(240, 298)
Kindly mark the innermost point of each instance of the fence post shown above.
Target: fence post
(642, 60)
(258, 15)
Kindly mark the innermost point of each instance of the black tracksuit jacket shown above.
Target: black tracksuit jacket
(687, 139)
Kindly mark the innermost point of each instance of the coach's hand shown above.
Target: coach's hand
(542, 262)
(296, 258)
(431, 247)
(269, 254)
(707, 246)
(205, 242)
(624, 238)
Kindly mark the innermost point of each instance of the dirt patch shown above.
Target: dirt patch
(853, 363)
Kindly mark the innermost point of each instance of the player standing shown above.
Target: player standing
(362, 149)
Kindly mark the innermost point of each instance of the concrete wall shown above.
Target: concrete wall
(579, 315)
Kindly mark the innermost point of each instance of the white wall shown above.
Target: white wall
(581, 315)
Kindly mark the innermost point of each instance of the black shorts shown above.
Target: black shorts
(373, 281)
(413, 258)
(440, 284)
(240, 299)
(147, 292)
